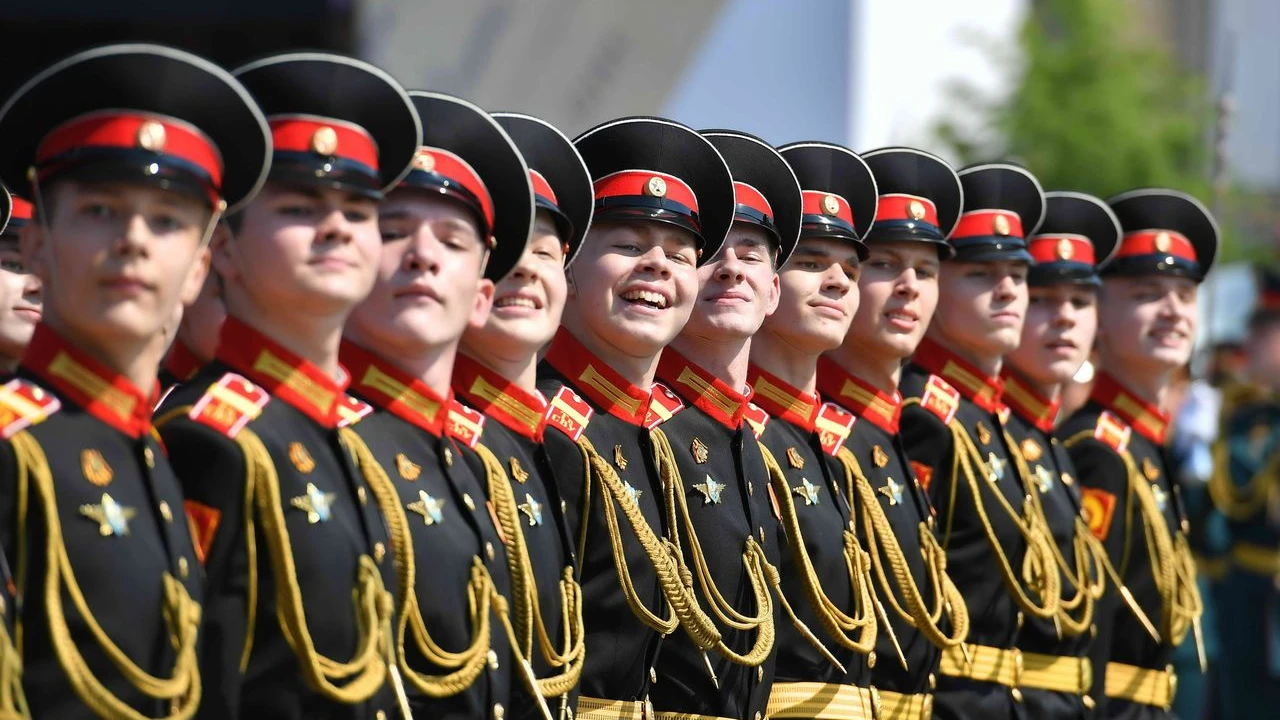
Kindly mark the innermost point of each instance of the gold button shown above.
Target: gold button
(380, 715)
(653, 675)
(165, 512)
(183, 569)
(493, 659)
(499, 712)
(448, 457)
(761, 534)
(488, 550)
(933, 681)
(1017, 695)
(379, 551)
(1088, 703)
(563, 507)
(466, 500)
(751, 488)
(149, 456)
(363, 495)
(757, 715)
(1021, 619)
(871, 660)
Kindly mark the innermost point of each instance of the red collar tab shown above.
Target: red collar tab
(20, 213)
(181, 362)
(988, 223)
(833, 426)
(285, 375)
(828, 205)
(1156, 242)
(599, 382)
(325, 137)
(753, 201)
(865, 400)
(663, 403)
(981, 390)
(104, 394)
(782, 400)
(705, 391)
(632, 183)
(542, 189)
(126, 130)
(901, 206)
(513, 407)
(1029, 404)
(1063, 247)
(1134, 411)
(393, 390)
(438, 168)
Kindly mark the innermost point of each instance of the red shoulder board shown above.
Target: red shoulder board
(757, 418)
(569, 413)
(940, 399)
(465, 424)
(833, 425)
(351, 410)
(230, 404)
(662, 405)
(923, 473)
(1112, 432)
(23, 404)
(1097, 506)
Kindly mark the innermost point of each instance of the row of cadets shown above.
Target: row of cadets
(19, 288)
(496, 375)
(663, 199)
(997, 545)
(1147, 322)
(282, 493)
(1079, 233)
(919, 204)
(130, 154)
(825, 573)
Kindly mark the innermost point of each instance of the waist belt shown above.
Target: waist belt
(1141, 685)
(896, 706)
(1016, 669)
(687, 716)
(1258, 559)
(590, 708)
(820, 701)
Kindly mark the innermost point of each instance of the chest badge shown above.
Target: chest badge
(301, 457)
(879, 456)
(1161, 497)
(1044, 479)
(808, 491)
(95, 468)
(997, 465)
(711, 491)
(793, 457)
(532, 509)
(892, 490)
(317, 504)
(431, 509)
(517, 470)
(408, 469)
(112, 517)
(1150, 470)
(984, 435)
(699, 450)
(619, 459)
(632, 492)
(1031, 450)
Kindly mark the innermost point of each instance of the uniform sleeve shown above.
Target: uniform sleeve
(211, 469)
(570, 475)
(930, 449)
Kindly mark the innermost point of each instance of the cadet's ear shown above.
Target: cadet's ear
(225, 252)
(196, 275)
(484, 303)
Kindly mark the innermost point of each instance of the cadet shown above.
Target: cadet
(19, 289)
(1246, 460)
(496, 374)
(468, 188)
(825, 576)
(898, 291)
(1147, 320)
(299, 608)
(710, 462)
(1079, 232)
(997, 545)
(662, 194)
(128, 180)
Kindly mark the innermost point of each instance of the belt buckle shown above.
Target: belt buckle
(646, 713)
(1016, 690)
(876, 704)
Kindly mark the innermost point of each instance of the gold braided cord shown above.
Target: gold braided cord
(674, 579)
(882, 546)
(1038, 567)
(182, 690)
(1241, 503)
(528, 612)
(761, 575)
(13, 703)
(839, 625)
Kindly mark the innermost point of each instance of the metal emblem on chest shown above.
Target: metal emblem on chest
(95, 468)
(301, 457)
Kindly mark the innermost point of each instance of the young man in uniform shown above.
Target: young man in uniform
(662, 195)
(952, 424)
(826, 673)
(919, 203)
(496, 374)
(128, 180)
(458, 220)
(299, 604)
(1147, 322)
(19, 289)
(1079, 232)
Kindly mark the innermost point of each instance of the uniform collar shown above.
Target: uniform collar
(707, 392)
(181, 362)
(297, 382)
(858, 396)
(516, 409)
(104, 394)
(1138, 413)
(394, 390)
(1029, 404)
(982, 390)
(602, 385)
(782, 400)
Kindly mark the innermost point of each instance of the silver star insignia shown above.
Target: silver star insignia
(431, 509)
(316, 504)
(532, 508)
(1161, 497)
(892, 490)
(710, 490)
(997, 465)
(112, 517)
(808, 491)
(1044, 479)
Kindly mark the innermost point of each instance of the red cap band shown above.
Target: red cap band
(324, 136)
(456, 170)
(1156, 242)
(1063, 247)
(744, 194)
(983, 223)
(629, 183)
(542, 188)
(901, 206)
(825, 203)
(21, 209)
(133, 130)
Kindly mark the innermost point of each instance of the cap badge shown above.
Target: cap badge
(830, 205)
(151, 136)
(657, 187)
(424, 161)
(1065, 249)
(324, 141)
(1162, 241)
(1000, 225)
(915, 210)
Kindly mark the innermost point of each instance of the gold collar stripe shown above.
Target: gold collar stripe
(782, 398)
(284, 373)
(593, 379)
(490, 393)
(723, 403)
(865, 397)
(389, 386)
(973, 383)
(90, 383)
